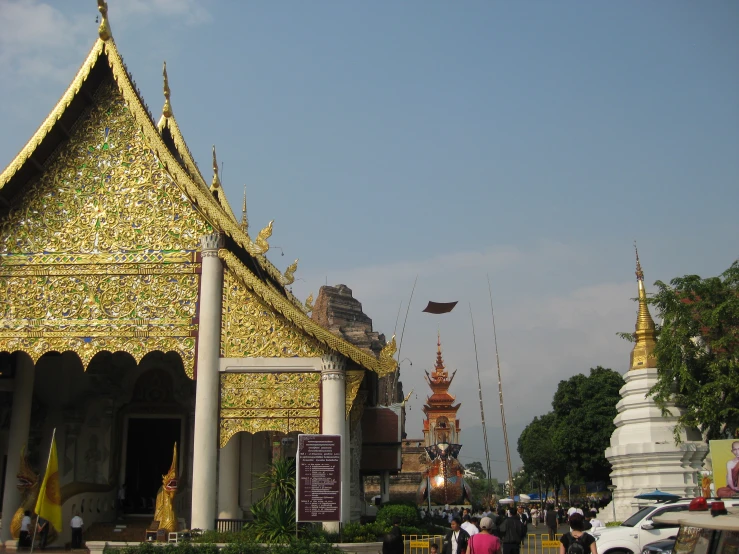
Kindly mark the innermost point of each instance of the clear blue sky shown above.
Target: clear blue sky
(533, 141)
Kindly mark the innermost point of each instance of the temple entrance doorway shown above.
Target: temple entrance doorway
(149, 447)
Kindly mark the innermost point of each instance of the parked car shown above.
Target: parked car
(706, 528)
(634, 534)
(660, 547)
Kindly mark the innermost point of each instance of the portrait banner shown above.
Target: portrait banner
(725, 462)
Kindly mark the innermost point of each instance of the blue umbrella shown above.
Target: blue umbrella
(657, 494)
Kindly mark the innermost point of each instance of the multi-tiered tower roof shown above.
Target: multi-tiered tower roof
(441, 424)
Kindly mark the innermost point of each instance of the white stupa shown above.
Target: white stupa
(643, 453)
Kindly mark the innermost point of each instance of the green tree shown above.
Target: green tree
(476, 468)
(584, 410)
(698, 351)
(542, 454)
(485, 492)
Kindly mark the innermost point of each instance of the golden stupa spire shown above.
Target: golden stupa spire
(216, 184)
(244, 217)
(167, 109)
(642, 356)
(104, 28)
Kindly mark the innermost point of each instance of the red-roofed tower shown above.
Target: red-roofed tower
(441, 424)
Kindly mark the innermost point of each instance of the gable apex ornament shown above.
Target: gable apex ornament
(167, 109)
(244, 216)
(104, 28)
(216, 180)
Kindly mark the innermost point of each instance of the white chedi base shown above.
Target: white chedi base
(643, 453)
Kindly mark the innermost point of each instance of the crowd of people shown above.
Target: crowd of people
(505, 530)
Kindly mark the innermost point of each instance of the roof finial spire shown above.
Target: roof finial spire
(104, 28)
(167, 109)
(216, 184)
(439, 360)
(642, 356)
(244, 218)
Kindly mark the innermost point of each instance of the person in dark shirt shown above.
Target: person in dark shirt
(577, 534)
(511, 531)
(551, 521)
(393, 541)
(455, 541)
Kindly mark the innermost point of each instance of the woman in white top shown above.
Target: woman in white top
(24, 540)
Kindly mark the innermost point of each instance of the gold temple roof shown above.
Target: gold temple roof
(168, 144)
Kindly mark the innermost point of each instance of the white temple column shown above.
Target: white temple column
(346, 473)
(333, 420)
(20, 422)
(385, 487)
(246, 454)
(205, 454)
(228, 479)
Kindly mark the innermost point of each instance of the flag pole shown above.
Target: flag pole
(35, 527)
(394, 378)
(479, 390)
(500, 395)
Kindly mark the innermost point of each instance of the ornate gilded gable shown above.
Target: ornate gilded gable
(251, 329)
(105, 192)
(99, 252)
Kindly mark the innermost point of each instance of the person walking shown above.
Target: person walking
(551, 521)
(484, 542)
(455, 541)
(577, 541)
(511, 532)
(42, 528)
(525, 518)
(393, 541)
(76, 525)
(468, 526)
(24, 539)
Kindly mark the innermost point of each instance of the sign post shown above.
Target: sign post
(318, 486)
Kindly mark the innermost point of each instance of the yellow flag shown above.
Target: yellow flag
(49, 504)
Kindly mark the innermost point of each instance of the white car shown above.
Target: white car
(704, 531)
(641, 529)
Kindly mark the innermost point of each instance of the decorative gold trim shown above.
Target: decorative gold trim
(229, 427)
(104, 258)
(87, 347)
(298, 318)
(353, 382)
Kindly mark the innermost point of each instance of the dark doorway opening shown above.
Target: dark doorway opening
(148, 457)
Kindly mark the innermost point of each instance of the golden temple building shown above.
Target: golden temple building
(137, 312)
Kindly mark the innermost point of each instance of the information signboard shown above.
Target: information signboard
(318, 486)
